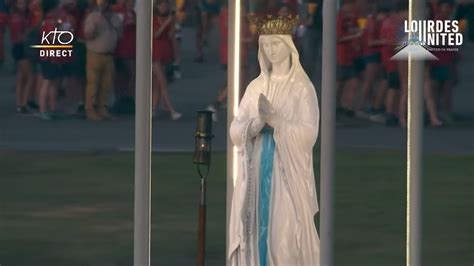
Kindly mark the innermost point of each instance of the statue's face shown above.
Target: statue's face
(275, 49)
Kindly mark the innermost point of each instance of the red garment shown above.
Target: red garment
(35, 13)
(432, 7)
(126, 45)
(163, 44)
(3, 25)
(371, 34)
(3, 20)
(346, 50)
(78, 17)
(66, 21)
(49, 23)
(223, 29)
(18, 25)
(444, 57)
(388, 33)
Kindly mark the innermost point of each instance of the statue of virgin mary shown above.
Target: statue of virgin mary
(274, 200)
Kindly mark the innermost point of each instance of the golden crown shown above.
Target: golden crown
(271, 24)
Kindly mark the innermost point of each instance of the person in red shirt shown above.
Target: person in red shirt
(359, 13)
(35, 13)
(162, 54)
(402, 65)
(50, 67)
(391, 79)
(223, 52)
(72, 68)
(208, 10)
(431, 6)
(19, 27)
(440, 78)
(78, 9)
(371, 56)
(125, 53)
(246, 39)
(375, 41)
(347, 34)
(34, 20)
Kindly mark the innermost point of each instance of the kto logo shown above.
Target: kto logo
(63, 37)
(56, 43)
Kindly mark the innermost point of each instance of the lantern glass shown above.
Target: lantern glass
(202, 152)
(204, 124)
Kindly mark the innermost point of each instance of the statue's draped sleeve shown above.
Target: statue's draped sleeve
(295, 139)
(242, 131)
(244, 126)
(295, 136)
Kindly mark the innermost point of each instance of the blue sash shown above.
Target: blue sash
(266, 169)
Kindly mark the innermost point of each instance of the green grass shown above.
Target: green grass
(68, 209)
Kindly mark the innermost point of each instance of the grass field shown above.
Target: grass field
(76, 209)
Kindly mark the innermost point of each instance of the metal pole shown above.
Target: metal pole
(202, 225)
(233, 92)
(414, 146)
(328, 118)
(143, 97)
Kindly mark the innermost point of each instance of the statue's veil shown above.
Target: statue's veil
(265, 65)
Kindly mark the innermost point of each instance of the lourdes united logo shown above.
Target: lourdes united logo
(427, 36)
(55, 43)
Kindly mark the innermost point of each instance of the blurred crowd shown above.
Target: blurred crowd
(369, 84)
(102, 57)
(373, 86)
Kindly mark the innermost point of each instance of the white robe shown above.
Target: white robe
(292, 236)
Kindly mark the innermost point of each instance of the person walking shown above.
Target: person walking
(125, 57)
(163, 34)
(19, 27)
(347, 33)
(208, 11)
(51, 67)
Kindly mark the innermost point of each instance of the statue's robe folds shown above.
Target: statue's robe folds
(292, 236)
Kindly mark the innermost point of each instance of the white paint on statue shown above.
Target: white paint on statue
(281, 97)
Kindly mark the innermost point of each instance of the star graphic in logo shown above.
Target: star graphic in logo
(413, 48)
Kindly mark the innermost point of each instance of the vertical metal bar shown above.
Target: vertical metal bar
(142, 208)
(414, 145)
(201, 257)
(233, 92)
(328, 117)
